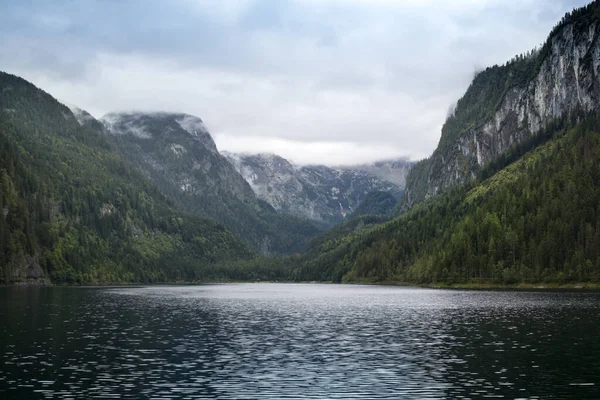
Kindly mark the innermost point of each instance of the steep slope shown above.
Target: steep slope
(316, 192)
(507, 104)
(73, 210)
(177, 153)
(535, 220)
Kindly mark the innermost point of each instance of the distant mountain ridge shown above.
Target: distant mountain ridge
(318, 192)
(264, 199)
(391, 170)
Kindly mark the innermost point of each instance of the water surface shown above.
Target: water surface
(277, 341)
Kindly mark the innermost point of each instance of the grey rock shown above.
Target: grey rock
(317, 192)
(567, 80)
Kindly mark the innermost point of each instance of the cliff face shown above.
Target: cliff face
(505, 105)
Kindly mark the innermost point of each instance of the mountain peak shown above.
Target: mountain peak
(148, 125)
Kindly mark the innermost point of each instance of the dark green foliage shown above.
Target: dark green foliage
(537, 220)
(325, 259)
(376, 203)
(72, 210)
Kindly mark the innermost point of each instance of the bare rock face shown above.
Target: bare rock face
(551, 83)
(317, 192)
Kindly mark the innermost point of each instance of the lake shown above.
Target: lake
(297, 341)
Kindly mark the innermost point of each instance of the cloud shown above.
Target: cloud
(325, 81)
(309, 153)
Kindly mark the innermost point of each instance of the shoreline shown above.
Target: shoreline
(455, 286)
(489, 286)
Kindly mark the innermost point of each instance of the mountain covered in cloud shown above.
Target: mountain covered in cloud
(394, 170)
(176, 152)
(318, 192)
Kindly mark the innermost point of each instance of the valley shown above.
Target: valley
(508, 197)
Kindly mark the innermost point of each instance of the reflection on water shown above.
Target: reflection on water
(279, 341)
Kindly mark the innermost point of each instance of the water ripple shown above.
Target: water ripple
(274, 341)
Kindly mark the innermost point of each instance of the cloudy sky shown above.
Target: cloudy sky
(316, 81)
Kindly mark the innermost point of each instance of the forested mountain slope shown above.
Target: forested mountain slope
(73, 210)
(535, 220)
(508, 104)
(177, 153)
(376, 203)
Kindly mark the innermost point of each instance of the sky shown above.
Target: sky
(316, 81)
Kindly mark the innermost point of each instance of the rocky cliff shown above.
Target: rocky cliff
(505, 105)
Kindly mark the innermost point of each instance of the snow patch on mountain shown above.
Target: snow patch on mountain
(178, 149)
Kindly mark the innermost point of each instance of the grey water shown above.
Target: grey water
(278, 341)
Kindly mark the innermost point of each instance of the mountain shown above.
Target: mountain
(177, 153)
(317, 192)
(535, 218)
(511, 193)
(505, 105)
(75, 211)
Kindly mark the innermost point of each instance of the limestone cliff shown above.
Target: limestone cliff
(506, 104)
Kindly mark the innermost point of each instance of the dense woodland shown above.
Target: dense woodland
(74, 211)
(376, 203)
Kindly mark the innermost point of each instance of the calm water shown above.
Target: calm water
(276, 341)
